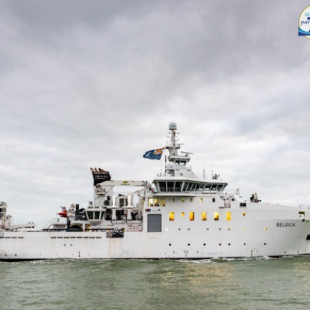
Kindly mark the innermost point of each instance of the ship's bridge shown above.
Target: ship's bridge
(173, 186)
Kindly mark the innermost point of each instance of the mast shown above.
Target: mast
(172, 146)
(176, 164)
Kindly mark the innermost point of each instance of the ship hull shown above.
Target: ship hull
(259, 238)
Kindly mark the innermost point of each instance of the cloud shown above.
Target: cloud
(96, 83)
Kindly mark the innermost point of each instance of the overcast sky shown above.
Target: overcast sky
(95, 84)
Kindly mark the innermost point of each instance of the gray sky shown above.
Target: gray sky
(95, 83)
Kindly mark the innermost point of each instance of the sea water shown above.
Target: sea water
(282, 283)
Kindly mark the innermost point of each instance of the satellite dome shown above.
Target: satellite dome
(173, 126)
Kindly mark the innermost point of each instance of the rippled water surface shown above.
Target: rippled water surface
(282, 283)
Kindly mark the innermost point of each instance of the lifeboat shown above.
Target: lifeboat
(63, 212)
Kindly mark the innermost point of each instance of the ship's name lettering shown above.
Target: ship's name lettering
(287, 224)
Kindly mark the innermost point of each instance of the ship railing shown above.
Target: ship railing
(51, 222)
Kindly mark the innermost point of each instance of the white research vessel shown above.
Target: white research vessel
(177, 216)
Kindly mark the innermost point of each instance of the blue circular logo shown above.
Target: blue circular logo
(304, 23)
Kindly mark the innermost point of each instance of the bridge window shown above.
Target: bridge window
(170, 186)
(178, 186)
(163, 186)
(195, 188)
(213, 187)
(97, 215)
(201, 186)
(90, 215)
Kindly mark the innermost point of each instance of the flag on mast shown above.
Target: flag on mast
(154, 154)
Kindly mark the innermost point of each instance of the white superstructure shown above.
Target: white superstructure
(177, 216)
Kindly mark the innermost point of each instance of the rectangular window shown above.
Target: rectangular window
(97, 215)
(170, 186)
(201, 186)
(203, 216)
(178, 186)
(171, 216)
(213, 187)
(162, 186)
(182, 214)
(228, 216)
(216, 216)
(153, 202)
(207, 187)
(90, 215)
(191, 216)
(201, 200)
(154, 222)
